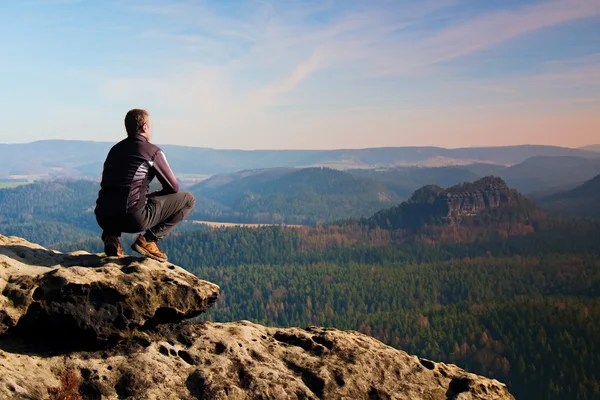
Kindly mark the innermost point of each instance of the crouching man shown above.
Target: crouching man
(124, 204)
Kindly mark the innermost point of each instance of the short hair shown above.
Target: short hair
(135, 120)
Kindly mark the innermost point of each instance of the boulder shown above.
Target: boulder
(91, 300)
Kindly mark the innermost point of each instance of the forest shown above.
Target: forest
(522, 309)
(529, 322)
(476, 275)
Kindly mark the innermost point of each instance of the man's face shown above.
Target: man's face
(147, 129)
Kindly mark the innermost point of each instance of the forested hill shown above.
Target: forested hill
(293, 196)
(487, 206)
(582, 201)
(49, 212)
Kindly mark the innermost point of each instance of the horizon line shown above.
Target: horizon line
(582, 148)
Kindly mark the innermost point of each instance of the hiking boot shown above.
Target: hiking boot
(148, 249)
(112, 246)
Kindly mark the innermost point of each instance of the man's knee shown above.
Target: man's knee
(190, 200)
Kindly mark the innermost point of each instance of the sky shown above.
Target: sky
(291, 74)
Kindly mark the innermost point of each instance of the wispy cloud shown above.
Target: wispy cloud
(559, 80)
(497, 27)
(260, 72)
(483, 32)
(273, 52)
(371, 40)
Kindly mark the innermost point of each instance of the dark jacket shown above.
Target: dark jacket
(128, 170)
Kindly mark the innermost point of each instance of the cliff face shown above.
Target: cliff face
(468, 201)
(90, 327)
(88, 300)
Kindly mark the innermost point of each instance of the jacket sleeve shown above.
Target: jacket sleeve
(164, 174)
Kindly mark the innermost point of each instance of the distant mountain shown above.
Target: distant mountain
(436, 156)
(61, 210)
(412, 178)
(308, 195)
(583, 201)
(541, 174)
(227, 188)
(303, 195)
(545, 173)
(242, 195)
(592, 147)
(487, 206)
(68, 158)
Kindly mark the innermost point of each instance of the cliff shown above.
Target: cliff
(469, 200)
(82, 326)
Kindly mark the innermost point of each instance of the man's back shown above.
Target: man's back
(129, 167)
(124, 204)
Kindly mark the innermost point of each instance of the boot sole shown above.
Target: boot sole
(146, 253)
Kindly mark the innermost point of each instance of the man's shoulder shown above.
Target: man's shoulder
(120, 143)
(115, 147)
(153, 149)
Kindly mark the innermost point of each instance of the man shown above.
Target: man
(124, 204)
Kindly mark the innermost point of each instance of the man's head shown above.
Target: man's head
(137, 122)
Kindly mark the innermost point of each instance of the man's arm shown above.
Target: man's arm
(164, 174)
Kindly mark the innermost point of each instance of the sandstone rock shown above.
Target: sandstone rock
(91, 299)
(242, 360)
(456, 204)
(487, 204)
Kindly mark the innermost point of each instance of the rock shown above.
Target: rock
(90, 300)
(242, 360)
(130, 337)
(488, 205)
(487, 194)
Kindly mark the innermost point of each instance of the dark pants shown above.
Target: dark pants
(160, 215)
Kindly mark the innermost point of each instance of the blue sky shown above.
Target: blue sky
(303, 74)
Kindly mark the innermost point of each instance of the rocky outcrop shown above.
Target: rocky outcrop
(469, 200)
(145, 353)
(90, 300)
(242, 360)
(487, 201)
